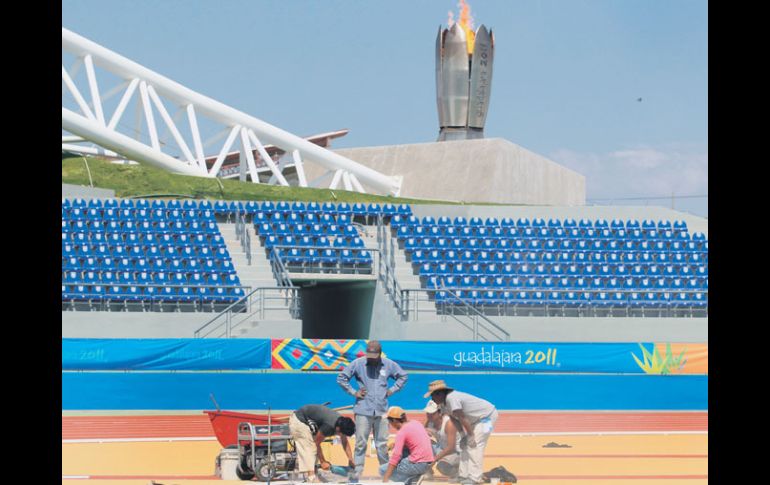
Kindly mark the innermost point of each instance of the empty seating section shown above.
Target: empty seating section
(150, 254)
(314, 237)
(503, 265)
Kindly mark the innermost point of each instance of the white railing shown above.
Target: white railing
(257, 305)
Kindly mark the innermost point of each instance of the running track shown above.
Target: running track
(197, 426)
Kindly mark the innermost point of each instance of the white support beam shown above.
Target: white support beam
(266, 158)
(336, 179)
(299, 166)
(346, 181)
(171, 126)
(281, 165)
(221, 113)
(223, 153)
(76, 94)
(123, 103)
(199, 156)
(357, 184)
(126, 146)
(88, 150)
(94, 86)
(148, 116)
(247, 152)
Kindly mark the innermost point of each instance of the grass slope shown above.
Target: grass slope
(144, 180)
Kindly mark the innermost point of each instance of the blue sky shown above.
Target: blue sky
(567, 75)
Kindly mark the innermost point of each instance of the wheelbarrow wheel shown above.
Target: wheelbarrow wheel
(243, 474)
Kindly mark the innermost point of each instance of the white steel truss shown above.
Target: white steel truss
(161, 103)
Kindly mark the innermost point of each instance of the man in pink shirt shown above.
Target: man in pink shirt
(412, 452)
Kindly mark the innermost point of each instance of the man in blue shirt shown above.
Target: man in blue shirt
(372, 373)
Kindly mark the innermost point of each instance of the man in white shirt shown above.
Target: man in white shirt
(477, 418)
(448, 439)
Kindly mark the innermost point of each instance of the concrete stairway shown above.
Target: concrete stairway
(258, 273)
(407, 279)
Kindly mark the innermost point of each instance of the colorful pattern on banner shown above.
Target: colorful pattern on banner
(165, 354)
(625, 358)
(315, 354)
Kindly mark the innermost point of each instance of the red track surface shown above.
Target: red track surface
(184, 426)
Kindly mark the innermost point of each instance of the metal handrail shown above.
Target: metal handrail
(292, 293)
(387, 266)
(413, 310)
(479, 314)
(279, 269)
(243, 235)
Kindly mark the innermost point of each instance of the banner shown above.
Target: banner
(165, 354)
(620, 358)
(334, 355)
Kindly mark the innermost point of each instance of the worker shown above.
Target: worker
(412, 452)
(372, 372)
(477, 418)
(309, 426)
(444, 429)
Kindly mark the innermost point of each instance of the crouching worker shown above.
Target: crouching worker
(447, 436)
(308, 427)
(412, 452)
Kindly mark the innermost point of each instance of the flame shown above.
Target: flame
(466, 22)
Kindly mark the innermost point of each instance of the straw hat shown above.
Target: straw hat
(437, 386)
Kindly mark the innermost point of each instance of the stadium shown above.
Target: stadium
(219, 272)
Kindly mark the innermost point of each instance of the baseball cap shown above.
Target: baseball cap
(395, 412)
(431, 407)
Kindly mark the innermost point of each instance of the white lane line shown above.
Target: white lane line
(545, 433)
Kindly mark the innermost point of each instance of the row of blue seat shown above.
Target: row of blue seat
(153, 227)
(629, 257)
(135, 204)
(137, 214)
(277, 220)
(312, 230)
(323, 256)
(574, 282)
(141, 264)
(545, 233)
(490, 244)
(118, 238)
(357, 209)
(142, 250)
(318, 242)
(566, 257)
(241, 206)
(566, 269)
(149, 293)
(649, 299)
(149, 277)
(538, 222)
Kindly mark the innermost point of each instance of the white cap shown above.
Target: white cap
(431, 407)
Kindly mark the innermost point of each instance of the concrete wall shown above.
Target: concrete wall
(73, 191)
(570, 329)
(486, 170)
(158, 325)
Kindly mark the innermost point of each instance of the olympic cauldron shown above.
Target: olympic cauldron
(463, 81)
